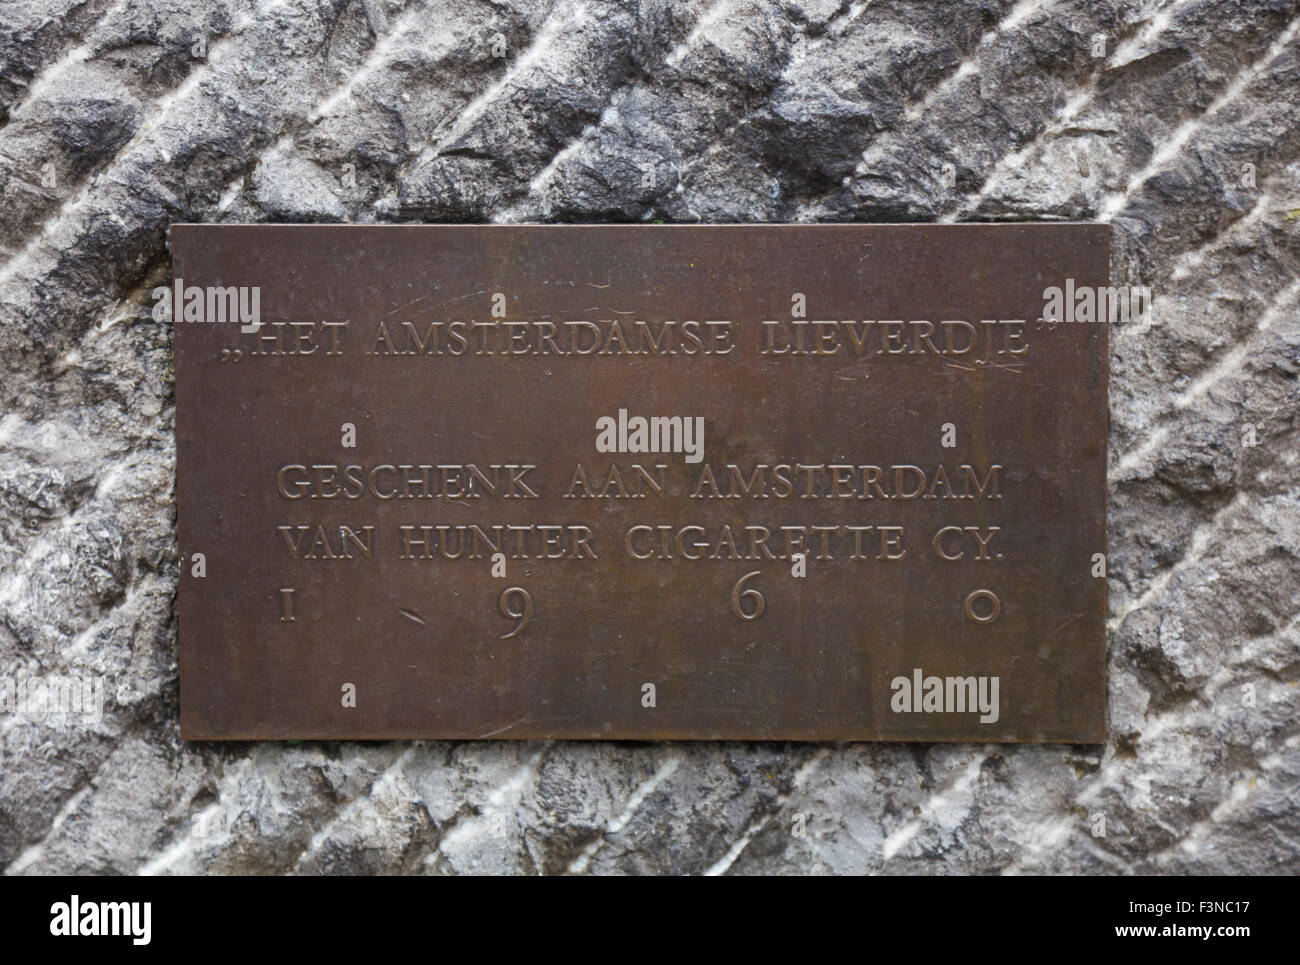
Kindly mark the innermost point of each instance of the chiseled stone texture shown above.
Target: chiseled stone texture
(111, 127)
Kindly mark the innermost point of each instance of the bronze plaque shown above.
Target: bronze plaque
(823, 482)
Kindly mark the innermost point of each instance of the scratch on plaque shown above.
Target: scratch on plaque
(1073, 619)
(694, 683)
(954, 365)
(461, 298)
(412, 615)
(406, 306)
(502, 730)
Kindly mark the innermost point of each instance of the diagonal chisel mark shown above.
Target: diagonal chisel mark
(20, 263)
(1232, 362)
(1173, 145)
(77, 54)
(737, 847)
(1083, 95)
(647, 787)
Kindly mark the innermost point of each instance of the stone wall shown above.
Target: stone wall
(1177, 120)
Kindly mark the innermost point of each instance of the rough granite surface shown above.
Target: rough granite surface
(1176, 120)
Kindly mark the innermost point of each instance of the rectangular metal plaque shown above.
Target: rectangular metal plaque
(825, 482)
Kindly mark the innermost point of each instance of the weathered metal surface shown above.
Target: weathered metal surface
(452, 347)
